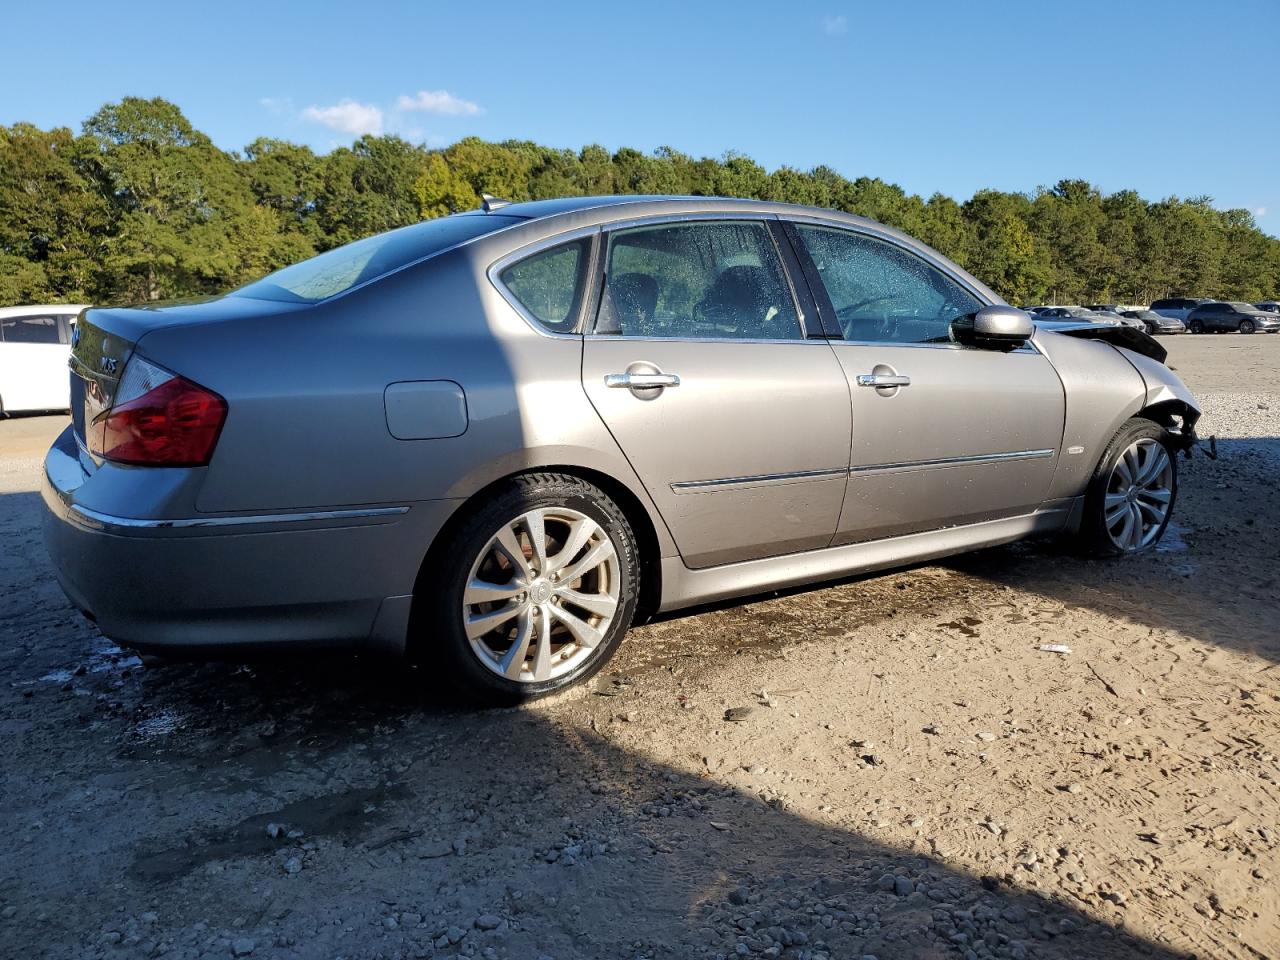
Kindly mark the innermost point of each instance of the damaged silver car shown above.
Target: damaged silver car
(494, 440)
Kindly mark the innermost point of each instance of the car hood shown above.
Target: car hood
(1130, 338)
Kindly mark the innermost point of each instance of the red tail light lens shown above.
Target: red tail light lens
(159, 419)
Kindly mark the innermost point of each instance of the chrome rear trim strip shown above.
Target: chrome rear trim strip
(952, 461)
(97, 520)
(696, 486)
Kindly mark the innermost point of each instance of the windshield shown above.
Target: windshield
(342, 268)
(1246, 307)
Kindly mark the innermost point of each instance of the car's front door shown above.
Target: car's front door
(943, 433)
(737, 424)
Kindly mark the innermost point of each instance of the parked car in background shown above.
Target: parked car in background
(1105, 308)
(542, 417)
(1079, 313)
(1222, 316)
(35, 343)
(1271, 306)
(1178, 307)
(1155, 323)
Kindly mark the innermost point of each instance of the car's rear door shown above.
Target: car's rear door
(737, 423)
(34, 374)
(943, 433)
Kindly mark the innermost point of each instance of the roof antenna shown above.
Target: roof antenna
(490, 203)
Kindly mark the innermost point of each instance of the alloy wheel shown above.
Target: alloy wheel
(1246, 326)
(1139, 495)
(542, 595)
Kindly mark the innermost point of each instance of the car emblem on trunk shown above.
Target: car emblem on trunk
(107, 364)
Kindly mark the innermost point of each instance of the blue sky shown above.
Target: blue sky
(1163, 97)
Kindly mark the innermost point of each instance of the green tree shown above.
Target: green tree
(141, 205)
(53, 219)
(440, 191)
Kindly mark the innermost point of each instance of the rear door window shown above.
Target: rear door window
(719, 280)
(33, 329)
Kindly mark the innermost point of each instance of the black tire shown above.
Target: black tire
(1195, 326)
(438, 631)
(1151, 329)
(1094, 538)
(1246, 326)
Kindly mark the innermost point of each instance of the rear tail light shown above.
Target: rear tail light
(159, 419)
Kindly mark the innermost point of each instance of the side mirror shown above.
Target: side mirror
(998, 327)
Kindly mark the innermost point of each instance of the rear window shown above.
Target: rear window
(338, 270)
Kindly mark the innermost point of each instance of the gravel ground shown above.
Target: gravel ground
(885, 767)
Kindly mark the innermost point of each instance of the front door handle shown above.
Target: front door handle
(641, 381)
(882, 380)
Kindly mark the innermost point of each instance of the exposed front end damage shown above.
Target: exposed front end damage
(1129, 338)
(1169, 402)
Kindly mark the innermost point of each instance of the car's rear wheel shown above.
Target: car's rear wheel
(1195, 326)
(532, 592)
(1246, 326)
(1130, 499)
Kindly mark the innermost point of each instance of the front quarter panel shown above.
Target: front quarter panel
(1103, 390)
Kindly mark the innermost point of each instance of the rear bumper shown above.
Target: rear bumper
(336, 577)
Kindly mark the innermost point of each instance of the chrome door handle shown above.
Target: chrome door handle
(882, 380)
(641, 381)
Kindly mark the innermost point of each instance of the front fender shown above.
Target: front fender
(1165, 391)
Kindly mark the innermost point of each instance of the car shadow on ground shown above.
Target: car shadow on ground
(411, 808)
(393, 804)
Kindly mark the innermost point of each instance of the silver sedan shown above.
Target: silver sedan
(494, 440)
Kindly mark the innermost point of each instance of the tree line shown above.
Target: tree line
(140, 206)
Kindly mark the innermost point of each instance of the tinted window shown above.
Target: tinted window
(881, 292)
(546, 284)
(697, 280)
(30, 330)
(340, 269)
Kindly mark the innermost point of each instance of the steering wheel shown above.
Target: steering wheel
(846, 315)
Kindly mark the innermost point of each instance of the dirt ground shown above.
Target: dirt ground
(911, 778)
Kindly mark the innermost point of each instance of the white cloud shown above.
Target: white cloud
(1260, 212)
(347, 116)
(836, 26)
(438, 101)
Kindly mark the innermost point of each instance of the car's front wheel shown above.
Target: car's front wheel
(1130, 498)
(1246, 326)
(532, 592)
(1195, 326)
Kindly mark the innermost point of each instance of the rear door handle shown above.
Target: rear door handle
(641, 381)
(882, 380)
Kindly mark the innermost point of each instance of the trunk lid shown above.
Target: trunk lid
(105, 338)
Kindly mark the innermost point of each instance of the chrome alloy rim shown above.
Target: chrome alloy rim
(1138, 495)
(542, 595)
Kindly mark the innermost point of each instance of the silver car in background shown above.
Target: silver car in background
(492, 441)
(1156, 323)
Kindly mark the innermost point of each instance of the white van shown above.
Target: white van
(35, 345)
